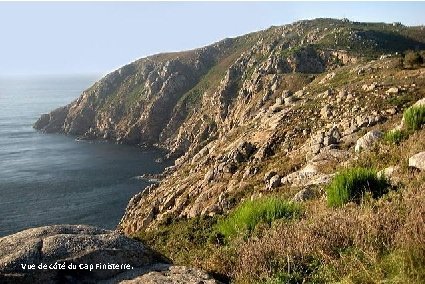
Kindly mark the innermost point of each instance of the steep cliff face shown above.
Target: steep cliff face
(134, 104)
(233, 110)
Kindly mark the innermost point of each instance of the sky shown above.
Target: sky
(98, 37)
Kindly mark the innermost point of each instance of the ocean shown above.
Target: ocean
(52, 178)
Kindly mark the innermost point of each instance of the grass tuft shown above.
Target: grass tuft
(352, 184)
(395, 136)
(414, 117)
(250, 213)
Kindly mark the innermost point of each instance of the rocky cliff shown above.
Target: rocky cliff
(247, 114)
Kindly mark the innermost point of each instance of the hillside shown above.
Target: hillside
(277, 113)
(157, 100)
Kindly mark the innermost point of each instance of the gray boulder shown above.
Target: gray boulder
(242, 152)
(421, 102)
(274, 182)
(387, 172)
(391, 174)
(368, 140)
(393, 90)
(324, 138)
(326, 112)
(417, 161)
(269, 175)
(69, 254)
(305, 194)
(286, 93)
(333, 136)
(173, 275)
(289, 100)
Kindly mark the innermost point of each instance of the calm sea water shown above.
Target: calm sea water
(53, 179)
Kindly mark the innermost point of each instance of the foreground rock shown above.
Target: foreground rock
(390, 173)
(418, 161)
(368, 140)
(80, 254)
(305, 194)
(173, 275)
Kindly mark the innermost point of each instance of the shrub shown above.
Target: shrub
(395, 136)
(248, 214)
(192, 234)
(412, 58)
(414, 117)
(352, 184)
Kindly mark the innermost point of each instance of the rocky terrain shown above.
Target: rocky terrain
(267, 107)
(273, 113)
(70, 254)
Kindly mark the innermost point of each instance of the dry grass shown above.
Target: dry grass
(375, 241)
(385, 155)
(330, 245)
(378, 240)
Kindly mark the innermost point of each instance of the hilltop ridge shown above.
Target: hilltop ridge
(155, 100)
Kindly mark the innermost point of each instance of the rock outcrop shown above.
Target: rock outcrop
(57, 247)
(305, 194)
(368, 140)
(85, 254)
(418, 161)
(173, 275)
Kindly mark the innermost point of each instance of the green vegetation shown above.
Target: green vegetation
(399, 101)
(341, 79)
(124, 100)
(192, 97)
(395, 136)
(369, 40)
(250, 213)
(414, 117)
(352, 184)
(182, 240)
(211, 80)
(413, 58)
(285, 53)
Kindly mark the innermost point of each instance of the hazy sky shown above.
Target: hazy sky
(96, 37)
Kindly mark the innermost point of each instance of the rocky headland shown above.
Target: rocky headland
(281, 113)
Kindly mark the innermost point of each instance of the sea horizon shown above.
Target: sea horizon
(50, 179)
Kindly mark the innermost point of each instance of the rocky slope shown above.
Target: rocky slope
(274, 126)
(248, 114)
(296, 143)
